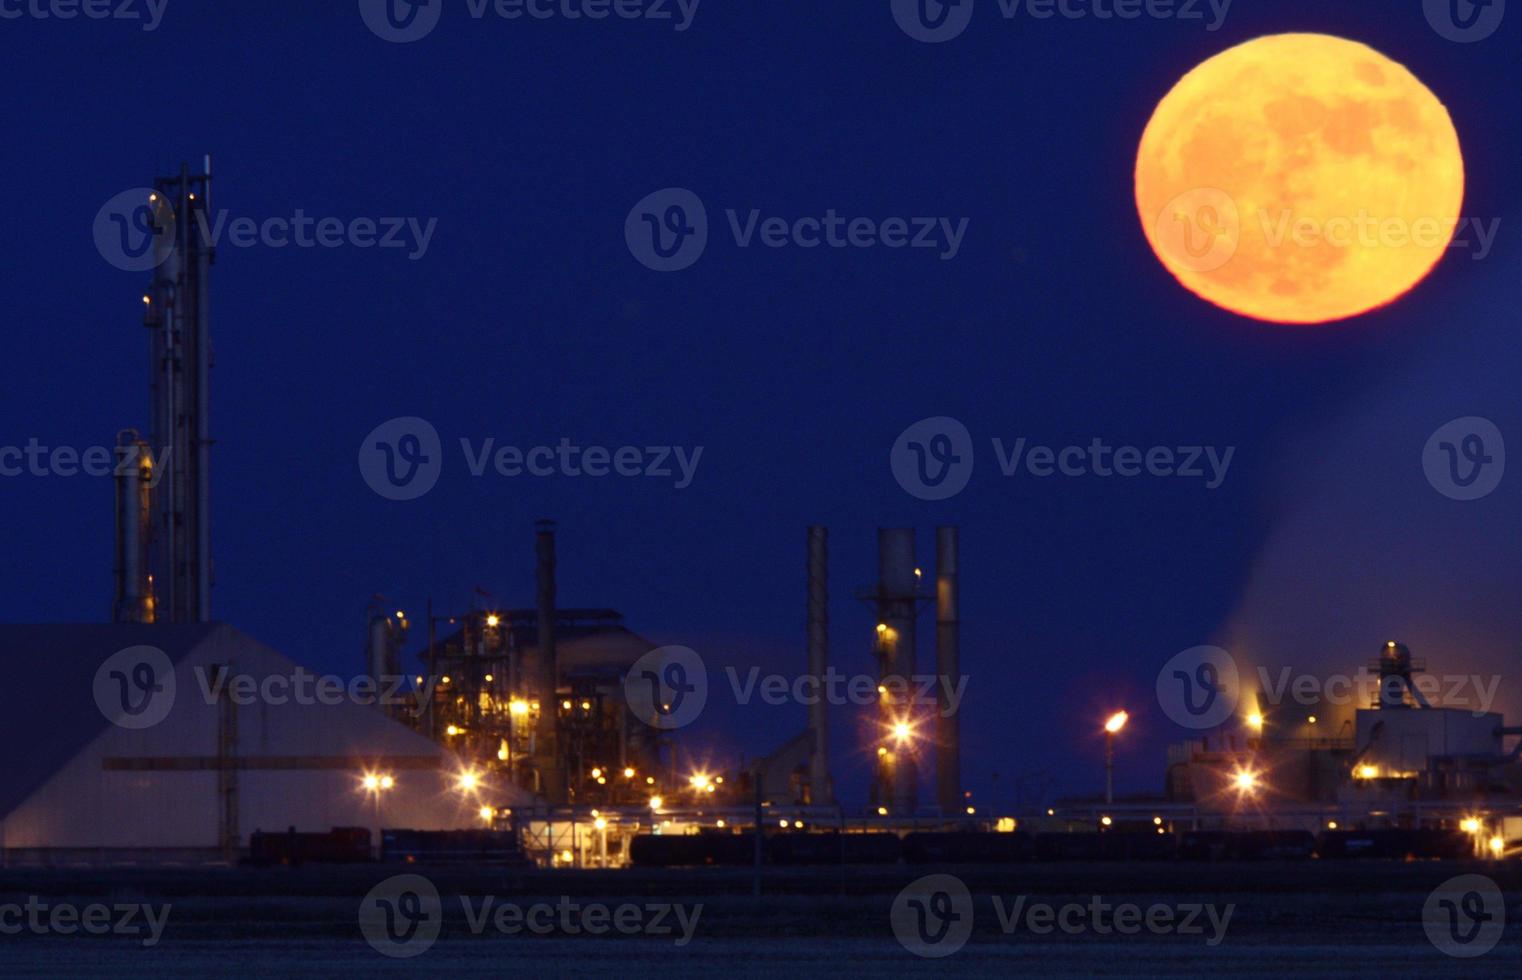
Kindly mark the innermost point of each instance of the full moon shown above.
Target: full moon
(1299, 178)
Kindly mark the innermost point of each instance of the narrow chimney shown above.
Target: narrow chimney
(820, 792)
(948, 746)
(897, 603)
(546, 673)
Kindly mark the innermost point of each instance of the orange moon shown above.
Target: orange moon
(1299, 178)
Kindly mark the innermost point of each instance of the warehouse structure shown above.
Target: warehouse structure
(177, 742)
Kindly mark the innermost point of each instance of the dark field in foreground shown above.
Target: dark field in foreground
(1310, 918)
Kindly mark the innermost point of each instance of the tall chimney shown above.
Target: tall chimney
(897, 600)
(948, 746)
(546, 674)
(820, 792)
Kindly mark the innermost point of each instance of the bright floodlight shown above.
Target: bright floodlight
(1245, 780)
(469, 781)
(901, 731)
(1116, 722)
(372, 783)
(1255, 721)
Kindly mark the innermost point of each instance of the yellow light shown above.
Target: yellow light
(446, 678)
(1470, 826)
(147, 301)
(420, 678)
(1050, 812)
(720, 824)
(566, 705)
(882, 811)
(586, 706)
(602, 781)
(1311, 720)
(502, 751)
(600, 823)
(1255, 721)
(1005, 825)
(901, 731)
(629, 773)
(649, 780)
(1245, 780)
(1116, 722)
(1157, 821)
(517, 707)
(719, 780)
(971, 810)
(798, 824)
(783, 823)
(492, 620)
(882, 627)
(596, 773)
(698, 781)
(567, 857)
(487, 813)
(655, 802)
(1497, 845)
(881, 750)
(452, 730)
(1106, 821)
(469, 781)
(489, 678)
(709, 788)
(372, 783)
(534, 705)
(400, 614)
(1331, 825)
(1367, 772)
(386, 782)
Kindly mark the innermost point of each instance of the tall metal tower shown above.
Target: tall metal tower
(175, 583)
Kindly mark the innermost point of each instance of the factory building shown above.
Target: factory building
(1394, 760)
(187, 768)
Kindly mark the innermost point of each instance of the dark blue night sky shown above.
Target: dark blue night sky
(528, 321)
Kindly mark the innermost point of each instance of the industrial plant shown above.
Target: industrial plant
(508, 735)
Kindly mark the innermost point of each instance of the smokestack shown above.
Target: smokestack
(134, 527)
(177, 312)
(897, 601)
(545, 674)
(948, 655)
(820, 792)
